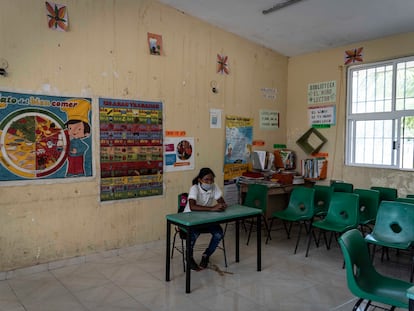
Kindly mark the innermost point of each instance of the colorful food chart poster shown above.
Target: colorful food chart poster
(179, 153)
(44, 137)
(131, 139)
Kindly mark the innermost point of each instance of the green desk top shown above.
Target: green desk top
(200, 218)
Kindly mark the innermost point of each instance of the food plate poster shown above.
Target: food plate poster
(179, 153)
(131, 141)
(44, 137)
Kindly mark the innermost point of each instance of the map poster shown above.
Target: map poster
(131, 140)
(44, 137)
(179, 153)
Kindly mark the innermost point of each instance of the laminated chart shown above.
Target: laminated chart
(131, 148)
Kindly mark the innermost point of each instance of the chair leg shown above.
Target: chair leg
(268, 237)
(309, 241)
(368, 304)
(356, 306)
(270, 228)
(224, 252)
(250, 232)
(299, 234)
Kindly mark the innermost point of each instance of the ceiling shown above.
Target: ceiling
(305, 26)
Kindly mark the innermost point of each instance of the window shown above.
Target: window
(380, 114)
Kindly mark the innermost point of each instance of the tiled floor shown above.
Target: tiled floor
(134, 279)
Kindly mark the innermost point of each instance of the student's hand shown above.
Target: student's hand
(219, 207)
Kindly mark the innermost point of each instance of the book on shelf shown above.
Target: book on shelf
(314, 168)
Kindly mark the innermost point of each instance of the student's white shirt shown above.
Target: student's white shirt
(202, 197)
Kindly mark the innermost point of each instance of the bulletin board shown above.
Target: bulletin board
(44, 137)
(131, 140)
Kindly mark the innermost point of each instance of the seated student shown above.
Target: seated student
(204, 195)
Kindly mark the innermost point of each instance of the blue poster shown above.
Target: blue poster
(44, 137)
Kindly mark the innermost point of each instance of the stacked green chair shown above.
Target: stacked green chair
(343, 215)
(406, 200)
(182, 233)
(323, 196)
(300, 210)
(394, 229)
(342, 187)
(368, 206)
(256, 197)
(364, 281)
(386, 193)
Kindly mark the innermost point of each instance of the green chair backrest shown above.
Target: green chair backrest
(406, 200)
(323, 196)
(394, 222)
(368, 204)
(358, 263)
(182, 201)
(410, 195)
(362, 278)
(344, 209)
(386, 193)
(256, 196)
(301, 202)
(342, 187)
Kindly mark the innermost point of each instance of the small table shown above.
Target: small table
(192, 220)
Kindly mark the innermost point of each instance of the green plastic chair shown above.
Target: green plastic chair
(362, 278)
(343, 215)
(300, 210)
(406, 200)
(182, 233)
(323, 196)
(386, 193)
(368, 206)
(342, 187)
(394, 228)
(410, 195)
(256, 197)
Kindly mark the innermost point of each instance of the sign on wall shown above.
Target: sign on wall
(179, 153)
(322, 115)
(322, 92)
(131, 139)
(269, 119)
(44, 137)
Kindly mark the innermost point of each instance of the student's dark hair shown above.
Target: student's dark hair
(203, 172)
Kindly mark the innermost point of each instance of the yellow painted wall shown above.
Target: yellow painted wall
(105, 54)
(326, 66)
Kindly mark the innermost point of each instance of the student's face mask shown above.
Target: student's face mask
(206, 187)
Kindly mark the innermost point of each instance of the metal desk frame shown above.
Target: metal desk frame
(192, 220)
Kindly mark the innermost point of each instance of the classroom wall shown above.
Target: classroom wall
(328, 65)
(105, 54)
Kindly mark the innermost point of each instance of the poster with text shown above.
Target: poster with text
(179, 153)
(44, 137)
(322, 92)
(131, 140)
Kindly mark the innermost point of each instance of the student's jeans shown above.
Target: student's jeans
(217, 235)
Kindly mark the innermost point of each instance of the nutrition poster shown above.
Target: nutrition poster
(44, 137)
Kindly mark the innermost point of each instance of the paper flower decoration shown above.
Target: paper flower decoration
(222, 66)
(354, 56)
(57, 16)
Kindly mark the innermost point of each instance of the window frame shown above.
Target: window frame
(396, 116)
